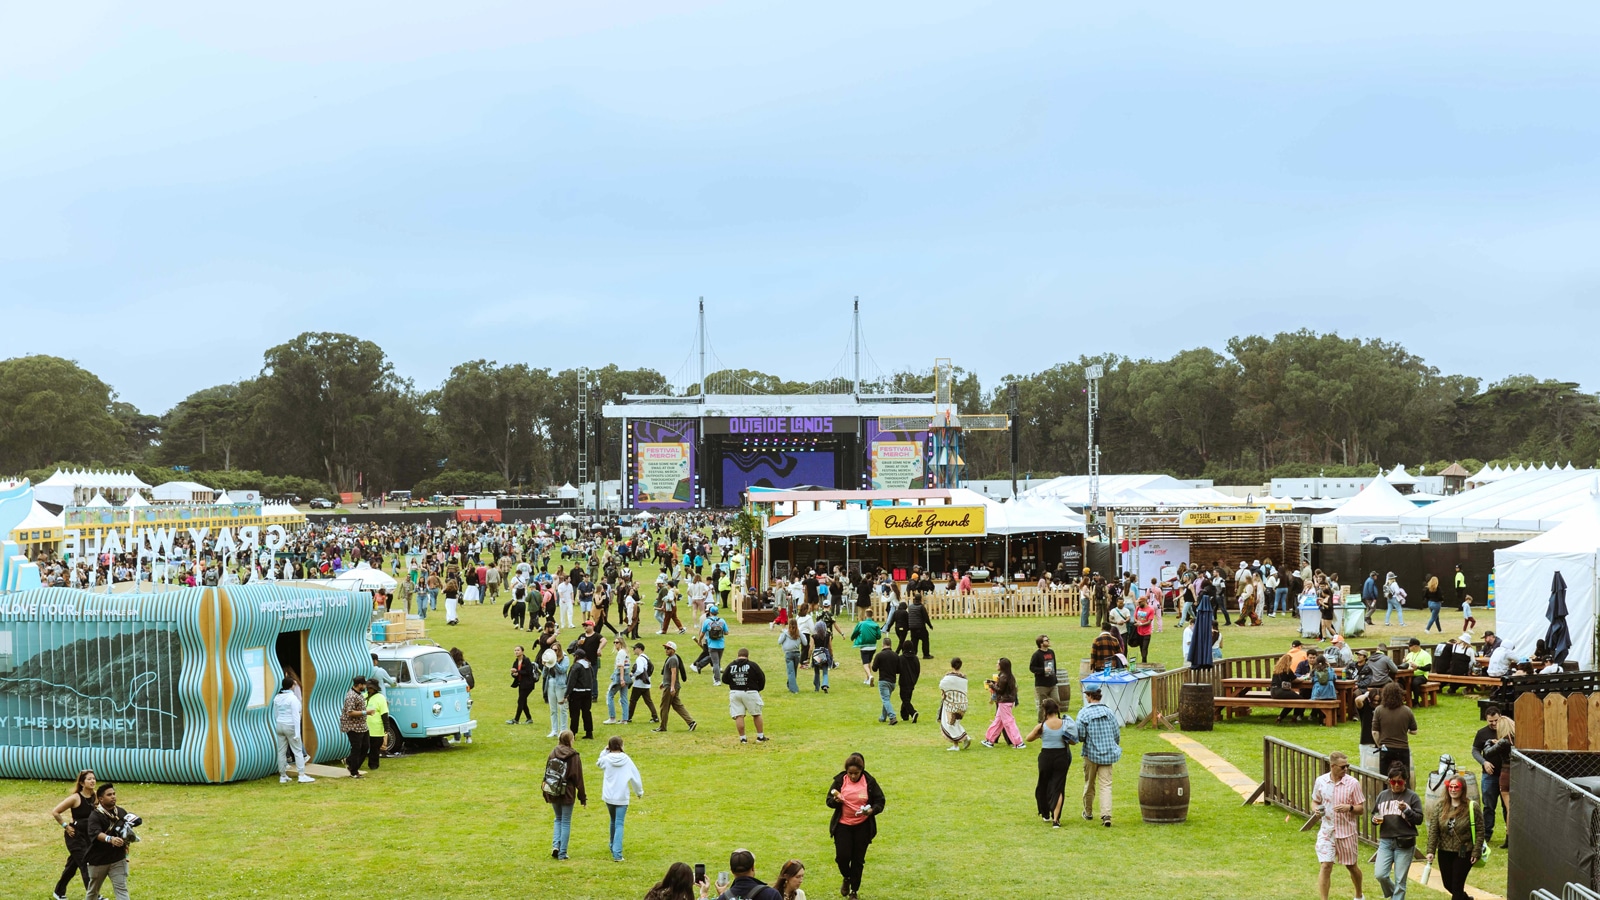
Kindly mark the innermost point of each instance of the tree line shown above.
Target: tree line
(328, 412)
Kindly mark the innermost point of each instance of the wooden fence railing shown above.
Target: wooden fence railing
(1290, 771)
(993, 603)
(1558, 722)
(1165, 688)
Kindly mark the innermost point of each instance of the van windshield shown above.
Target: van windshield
(434, 667)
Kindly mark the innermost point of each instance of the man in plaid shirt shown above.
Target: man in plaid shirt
(1101, 733)
(1105, 649)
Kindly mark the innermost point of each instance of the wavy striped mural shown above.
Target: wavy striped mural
(173, 686)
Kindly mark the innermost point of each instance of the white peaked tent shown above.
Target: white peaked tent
(136, 499)
(364, 578)
(99, 502)
(1378, 503)
(1523, 574)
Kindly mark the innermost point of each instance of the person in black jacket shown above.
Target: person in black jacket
(886, 666)
(524, 677)
(582, 683)
(856, 801)
(745, 682)
(919, 621)
(910, 671)
(107, 854)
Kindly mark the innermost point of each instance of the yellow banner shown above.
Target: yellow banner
(1223, 518)
(926, 521)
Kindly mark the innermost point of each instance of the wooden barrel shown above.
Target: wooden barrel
(1164, 788)
(1195, 711)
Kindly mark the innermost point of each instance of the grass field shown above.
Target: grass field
(470, 822)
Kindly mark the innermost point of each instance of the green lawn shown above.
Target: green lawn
(469, 822)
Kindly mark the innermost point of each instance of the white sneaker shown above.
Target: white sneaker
(306, 779)
(609, 722)
(283, 779)
(954, 748)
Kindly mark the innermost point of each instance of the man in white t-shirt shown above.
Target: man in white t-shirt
(698, 592)
(621, 681)
(564, 602)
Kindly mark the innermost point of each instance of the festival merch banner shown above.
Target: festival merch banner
(663, 465)
(896, 460)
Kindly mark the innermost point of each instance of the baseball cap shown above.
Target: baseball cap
(670, 645)
(1091, 692)
(588, 623)
(1337, 639)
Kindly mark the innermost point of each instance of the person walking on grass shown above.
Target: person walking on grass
(745, 682)
(639, 684)
(557, 665)
(953, 707)
(714, 634)
(1455, 836)
(75, 828)
(562, 786)
(919, 621)
(1003, 691)
(1056, 732)
(1336, 796)
(619, 774)
(672, 675)
(856, 800)
(1397, 814)
(524, 677)
(864, 637)
(617, 690)
(886, 665)
(582, 680)
(1043, 666)
(1101, 733)
(790, 643)
(910, 673)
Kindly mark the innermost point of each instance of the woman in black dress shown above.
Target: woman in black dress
(80, 803)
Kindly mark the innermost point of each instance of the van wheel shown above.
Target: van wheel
(392, 741)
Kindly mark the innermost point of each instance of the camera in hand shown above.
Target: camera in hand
(125, 828)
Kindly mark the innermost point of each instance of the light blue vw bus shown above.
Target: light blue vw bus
(429, 700)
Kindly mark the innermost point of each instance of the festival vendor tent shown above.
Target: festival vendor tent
(173, 686)
(1377, 510)
(1526, 501)
(364, 578)
(1128, 490)
(1523, 575)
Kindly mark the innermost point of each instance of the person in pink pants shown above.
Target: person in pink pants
(1003, 687)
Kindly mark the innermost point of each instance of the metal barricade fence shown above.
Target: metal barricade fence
(1289, 773)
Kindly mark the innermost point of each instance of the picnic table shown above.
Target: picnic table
(1242, 687)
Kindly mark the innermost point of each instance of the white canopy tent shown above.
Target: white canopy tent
(136, 499)
(1531, 500)
(1376, 511)
(1128, 490)
(1522, 584)
(566, 518)
(364, 578)
(99, 502)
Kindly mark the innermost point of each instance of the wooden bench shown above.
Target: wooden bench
(1466, 681)
(1228, 707)
(1430, 692)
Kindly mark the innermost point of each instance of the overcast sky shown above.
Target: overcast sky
(1012, 184)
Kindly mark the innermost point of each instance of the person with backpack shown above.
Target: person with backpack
(714, 633)
(639, 684)
(562, 786)
(745, 682)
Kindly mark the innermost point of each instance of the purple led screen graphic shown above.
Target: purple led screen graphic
(663, 465)
(896, 460)
(774, 469)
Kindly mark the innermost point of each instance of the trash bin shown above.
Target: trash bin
(1353, 616)
(1122, 691)
(1310, 618)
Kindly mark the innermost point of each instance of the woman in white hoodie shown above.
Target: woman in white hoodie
(618, 772)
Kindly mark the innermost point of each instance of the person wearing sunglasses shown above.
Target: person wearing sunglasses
(1337, 797)
(1455, 835)
(1397, 815)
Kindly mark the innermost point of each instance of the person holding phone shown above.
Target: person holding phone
(680, 883)
(856, 800)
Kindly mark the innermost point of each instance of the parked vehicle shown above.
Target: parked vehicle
(429, 700)
(321, 503)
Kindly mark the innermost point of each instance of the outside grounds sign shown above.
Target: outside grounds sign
(926, 522)
(1223, 518)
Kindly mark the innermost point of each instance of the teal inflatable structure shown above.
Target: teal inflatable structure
(173, 686)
